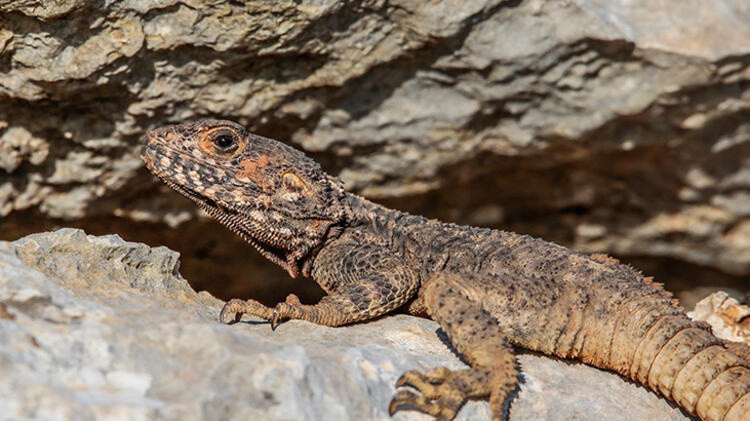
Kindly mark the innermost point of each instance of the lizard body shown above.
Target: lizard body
(489, 290)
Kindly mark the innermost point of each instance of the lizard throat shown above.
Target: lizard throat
(232, 220)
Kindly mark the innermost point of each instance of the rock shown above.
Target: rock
(96, 327)
(610, 126)
(728, 318)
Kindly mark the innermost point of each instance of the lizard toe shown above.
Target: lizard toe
(408, 400)
(437, 374)
(281, 312)
(292, 299)
(407, 378)
(420, 382)
(275, 320)
(232, 311)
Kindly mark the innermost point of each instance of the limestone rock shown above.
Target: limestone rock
(96, 327)
(728, 318)
(615, 126)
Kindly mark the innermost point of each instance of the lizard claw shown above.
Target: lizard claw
(280, 313)
(401, 400)
(275, 320)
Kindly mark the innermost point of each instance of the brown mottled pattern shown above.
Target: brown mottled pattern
(489, 290)
(254, 169)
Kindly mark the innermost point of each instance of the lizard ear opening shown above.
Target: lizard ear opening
(293, 182)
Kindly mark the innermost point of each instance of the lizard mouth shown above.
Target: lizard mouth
(232, 220)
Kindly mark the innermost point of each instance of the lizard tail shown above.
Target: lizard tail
(682, 360)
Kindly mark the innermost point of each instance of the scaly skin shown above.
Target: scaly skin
(489, 290)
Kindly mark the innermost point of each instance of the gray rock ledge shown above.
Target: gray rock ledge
(97, 327)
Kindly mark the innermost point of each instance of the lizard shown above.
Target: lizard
(491, 291)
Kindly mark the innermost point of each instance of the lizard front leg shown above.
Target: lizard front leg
(479, 339)
(363, 282)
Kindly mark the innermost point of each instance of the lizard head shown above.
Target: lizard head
(270, 194)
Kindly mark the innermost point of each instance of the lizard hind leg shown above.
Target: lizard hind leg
(477, 336)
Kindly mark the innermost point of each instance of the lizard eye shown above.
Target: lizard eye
(224, 140)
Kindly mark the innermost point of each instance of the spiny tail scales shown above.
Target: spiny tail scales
(684, 362)
(654, 343)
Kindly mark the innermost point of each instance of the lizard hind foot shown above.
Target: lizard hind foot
(480, 340)
(441, 392)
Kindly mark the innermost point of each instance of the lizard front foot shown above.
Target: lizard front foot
(235, 308)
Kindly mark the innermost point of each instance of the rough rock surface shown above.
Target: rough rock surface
(728, 318)
(95, 327)
(618, 126)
